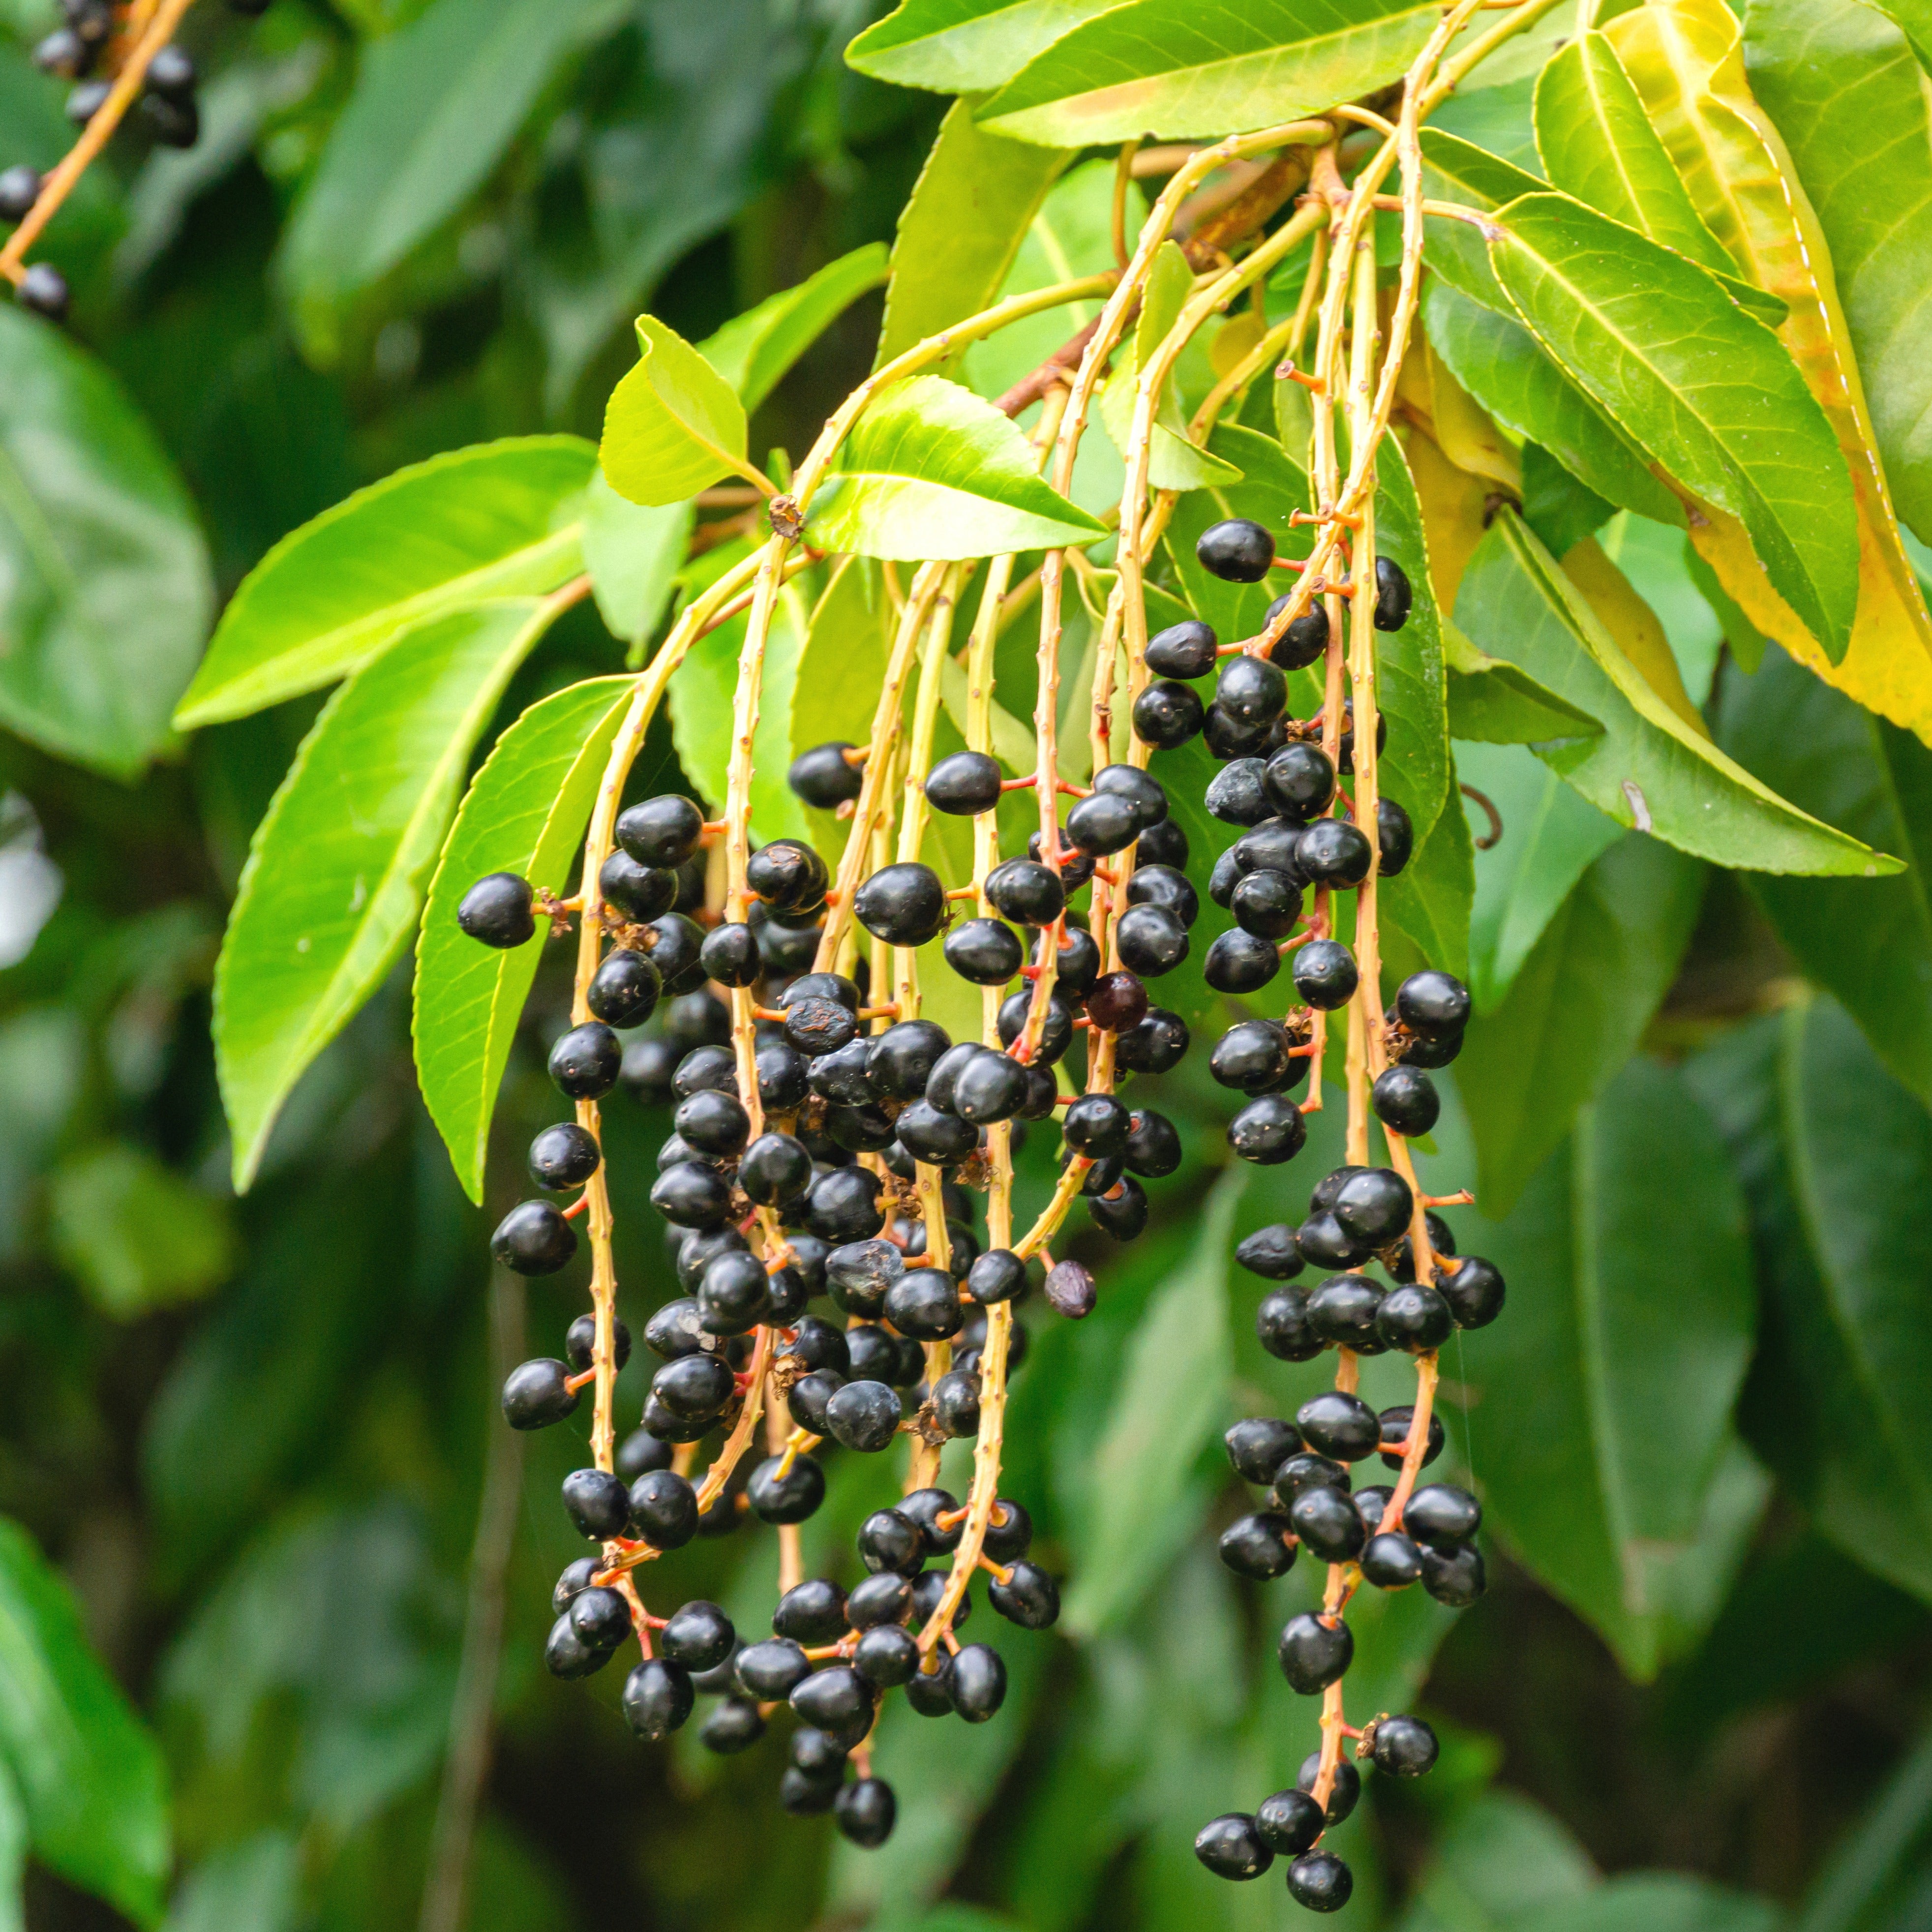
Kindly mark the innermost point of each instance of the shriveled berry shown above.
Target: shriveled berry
(1271, 1252)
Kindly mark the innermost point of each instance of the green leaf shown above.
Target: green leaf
(1428, 900)
(1174, 461)
(337, 867)
(961, 228)
(14, 1848)
(1551, 836)
(1494, 702)
(1868, 942)
(1836, 1158)
(1656, 1902)
(1516, 602)
(1171, 1397)
(104, 589)
(436, 105)
(1871, 1860)
(1575, 1009)
(1178, 68)
(753, 351)
(1707, 390)
(840, 671)
(702, 692)
(496, 519)
(963, 47)
(135, 1234)
(1456, 170)
(1840, 81)
(673, 425)
(90, 1777)
(1496, 359)
(1500, 1858)
(634, 552)
(254, 1886)
(525, 812)
(1629, 1327)
(930, 471)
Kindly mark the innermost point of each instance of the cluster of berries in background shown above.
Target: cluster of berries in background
(90, 48)
(867, 1123)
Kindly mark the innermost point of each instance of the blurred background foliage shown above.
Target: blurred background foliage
(250, 1449)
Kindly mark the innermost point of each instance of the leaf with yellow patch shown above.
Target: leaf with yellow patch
(1633, 623)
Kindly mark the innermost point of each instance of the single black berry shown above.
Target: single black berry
(824, 777)
(1327, 1524)
(691, 1195)
(1282, 1328)
(734, 1726)
(1414, 1319)
(496, 909)
(774, 1170)
(1239, 962)
(1257, 1546)
(1392, 594)
(1026, 892)
(642, 893)
(864, 1810)
(597, 1502)
(1374, 1206)
(661, 831)
(1028, 1596)
(979, 1681)
(1320, 1881)
(19, 189)
(1335, 1424)
(1406, 1101)
(663, 1509)
(777, 1495)
(1333, 852)
(1166, 715)
(699, 1636)
(1230, 1846)
(1165, 885)
(585, 1061)
(1186, 649)
(1453, 1576)
(1404, 1747)
(787, 874)
(658, 1697)
(1157, 1045)
(1391, 1560)
(1304, 641)
(534, 1394)
(1236, 550)
(887, 1656)
(1325, 974)
(985, 951)
(1251, 691)
(1344, 1791)
(1151, 940)
(1313, 1655)
(1474, 1290)
(1433, 1004)
(771, 1670)
(1288, 1822)
(729, 955)
(623, 992)
(1342, 1310)
(890, 1541)
(564, 1156)
(579, 1341)
(1271, 1252)
(1257, 1446)
(1441, 1516)
(965, 783)
(1270, 1129)
(533, 1238)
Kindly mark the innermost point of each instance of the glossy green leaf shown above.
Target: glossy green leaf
(848, 641)
(964, 46)
(135, 1234)
(1174, 461)
(1836, 1158)
(105, 594)
(1415, 772)
(673, 425)
(1598, 144)
(1612, 1470)
(1459, 171)
(1707, 390)
(1494, 702)
(525, 812)
(1169, 1400)
(753, 351)
(496, 519)
(1840, 81)
(702, 692)
(1496, 359)
(337, 869)
(1558, 505)
(1178, 68)
(634, 552)
(1428, 900)
(930, 471)
(1867, 941)
(1648, 768)
(89, 1777)
(961, 228)
(1575, 1009)
(1551, 836)
(436, 105)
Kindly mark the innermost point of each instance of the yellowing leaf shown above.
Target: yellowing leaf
(1452, 505)
(1633, 623)
(1683, 57)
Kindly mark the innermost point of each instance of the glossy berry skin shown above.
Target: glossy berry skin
(663, 1509)
(567, 1655)
(1098, 1126)
(1029, 1596)
(1374, 1206)
(579, 1341)
(1272, 1253)
(1395, 839)
(691, 1196)
(997, 1275)
(891, 1542)
(640, 1452)
(534, 1395)
(955, 1403)
(1430, 1054)
(1431, 1004)
(792, 1497)
(904, 905)
(1299, 781)
(496, 910)
(1025, 892)
(1120, 1210)
(1186, 649)
(1333, 852)
(787, 874)
(1394, 595)
(1320, 1881)
(1342, 1309)
(1282, 1328)
(809, 1398)
(585, 1062)
(984, 952)
(699, 1636)
(1440, 1516)
(1395, 1423)
(1163, 845)
(1251, 1057)
(1304, 641)
(694, 1387)
(1414, 1319)
(1258, 1445)
(1076, 964)
(1166, 715)
(712, 1122)
(836, 1699)
(1157, 1045)
(774, 1171)
(1304, 1471)
(940, 1140)
(733, 1293)
(1231, 1847)
(1325, 974)
(661, 831)
(564, 1156)
(1406, 1101)
(533, 1238)
(597, 1502)
(1266, 905)
(1226, 737)
(887, 1656)
(1103, 823)
(1327, 1524)
(978, 1685)
(1251, 691)
(1236, 796)
(1474, 1291)
(813, 1611)
(729, 955)
(623, 992)
(865, 1810)
(771, 1671)
(1288, 1822)
(1335, 1424)
(1321, 1241)
(823, 777)
(1243, 961)
(1152, 1145)
(1454, 1577)
(1151, 940)
(734, 1726)
(674, 951)
(658, 1698)
(864, 1416)
(1117, 1002)
(925, 1508)
(964, 784)
(1270, 1129)
(1404, 1747)
(19, 189)
(924, 1304)
(641, 893)
(1312, 1655)
(1256, 1545)
(1344, 1794)
(1236, 550)
(1391, 1560)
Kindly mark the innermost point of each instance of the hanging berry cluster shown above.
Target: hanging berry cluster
(831, 1142)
